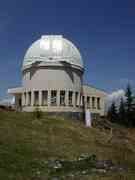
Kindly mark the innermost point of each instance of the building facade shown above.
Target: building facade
(52, 79)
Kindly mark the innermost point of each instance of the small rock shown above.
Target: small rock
(54, 164)
(101, 171)
(118, 168)
(55, 178)
(101, 164)
(84, 172)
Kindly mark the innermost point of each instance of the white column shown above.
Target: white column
(78, 99)
(23, 99)
(49, 97)
(27, 98)
(90, 102)
(66, 98)
(88, 120)
(32, 98)
(58, 98)
(40, 98)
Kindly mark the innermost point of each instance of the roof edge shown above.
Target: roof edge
(92, 86)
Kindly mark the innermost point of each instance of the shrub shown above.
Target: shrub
(37, 113)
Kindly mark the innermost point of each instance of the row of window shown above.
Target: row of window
(95, 102)
(89, 102)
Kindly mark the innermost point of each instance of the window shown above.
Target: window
(93, 103)
(62, 98)
(88, 102)
(36, 98)
(20, 102)
(83, 101)
(76, 98)
(44, 98)
(70, 98)
(29, 98)
(25, 98)
(53, 98)
(98, 103)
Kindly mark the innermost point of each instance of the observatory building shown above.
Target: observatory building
(52, 79)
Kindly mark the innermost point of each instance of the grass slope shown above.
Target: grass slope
(26, 144)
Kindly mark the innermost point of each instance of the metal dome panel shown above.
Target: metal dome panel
(53, 48)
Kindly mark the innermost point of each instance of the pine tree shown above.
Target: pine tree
(122, 113)
(129, 98)
(112, 113)
(130, 107)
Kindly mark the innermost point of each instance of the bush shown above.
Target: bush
(37, 113)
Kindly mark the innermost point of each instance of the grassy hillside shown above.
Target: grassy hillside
(26, 143)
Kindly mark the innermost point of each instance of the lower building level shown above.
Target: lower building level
(60, 100)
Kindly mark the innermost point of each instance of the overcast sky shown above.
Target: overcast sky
(103, 30)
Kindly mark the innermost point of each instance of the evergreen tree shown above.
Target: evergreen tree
(122, 112)
(112, 113)
(130, 107)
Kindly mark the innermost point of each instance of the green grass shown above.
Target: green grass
(26, 143)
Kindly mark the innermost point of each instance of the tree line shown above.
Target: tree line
(123, 114)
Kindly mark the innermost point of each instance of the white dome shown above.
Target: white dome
(53, 48)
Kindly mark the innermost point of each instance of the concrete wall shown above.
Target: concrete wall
(58, 78)
(89, 91)
(52, 78)
(49, 78)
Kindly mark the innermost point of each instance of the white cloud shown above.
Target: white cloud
(7, 101)
(115, 96)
